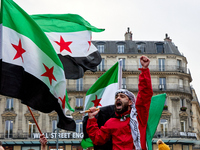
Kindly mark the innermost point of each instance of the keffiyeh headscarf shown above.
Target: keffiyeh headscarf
(133, 120)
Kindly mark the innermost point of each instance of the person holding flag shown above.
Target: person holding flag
(128, 128)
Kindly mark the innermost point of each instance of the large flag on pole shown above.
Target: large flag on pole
(70, 35)
(30, 69)
(102, 92)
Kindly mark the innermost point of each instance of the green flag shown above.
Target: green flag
(85, 143)
(102, 92)
(155, 112)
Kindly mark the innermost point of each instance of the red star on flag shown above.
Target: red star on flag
(19, 50)
(89, 42)
(64, 45)
(96, 101)
(63, 102)
(49, 73)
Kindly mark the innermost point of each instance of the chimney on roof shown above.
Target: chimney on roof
(128, 35)
(167, 38)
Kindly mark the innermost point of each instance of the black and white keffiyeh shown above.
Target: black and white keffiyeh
(133, 119)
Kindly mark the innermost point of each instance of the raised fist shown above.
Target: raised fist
(144, 61)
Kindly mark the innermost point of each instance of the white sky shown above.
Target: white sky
(148, 20)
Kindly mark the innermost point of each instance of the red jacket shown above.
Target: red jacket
(120, 130)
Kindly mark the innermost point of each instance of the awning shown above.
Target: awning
(177, 140)
(37, 142)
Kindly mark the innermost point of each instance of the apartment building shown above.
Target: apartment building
(179, 125)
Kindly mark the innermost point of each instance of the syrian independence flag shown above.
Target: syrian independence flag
(70, 35)
(30, 68)
(102, 92)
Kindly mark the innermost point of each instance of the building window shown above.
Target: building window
(79, 126)
(185, 147)
(182, 126)
(163, 125)
(79, 84)
(9, 104)
(32, 148)
(160, 47)
(180, 83)
(79, 104)
(9, 129)
(141, 47)
(140, 65)
(123, 64)
(161, 62)
(100, 67)
(123, 83)
(178, 64)
(182, 102)
(31, 128)
(54, 125)
(162, 85)
(120, 48)
(100, 48)
(166, 101)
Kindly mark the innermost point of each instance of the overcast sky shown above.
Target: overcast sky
(148, 20)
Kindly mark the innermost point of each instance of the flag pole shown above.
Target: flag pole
(34, 120)
(120, 74)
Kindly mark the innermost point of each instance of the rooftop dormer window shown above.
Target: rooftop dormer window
(120, 48)
(100, 48)
(140, 47)
(160, 47)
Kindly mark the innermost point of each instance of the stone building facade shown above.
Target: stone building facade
(179, 125)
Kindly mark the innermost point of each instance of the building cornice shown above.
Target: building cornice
(28, 115)
(183, 115)
(53, 116)
(8, 115)
(171, 56)
(77, 116)
(166, 114)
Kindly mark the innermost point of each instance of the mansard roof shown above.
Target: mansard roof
(130, 47)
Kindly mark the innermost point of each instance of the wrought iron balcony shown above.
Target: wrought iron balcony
(171, 134)
(157, 68)
(134, 87)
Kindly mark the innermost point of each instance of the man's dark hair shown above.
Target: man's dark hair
(0, 143)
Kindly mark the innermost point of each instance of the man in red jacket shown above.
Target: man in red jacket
(128, 129)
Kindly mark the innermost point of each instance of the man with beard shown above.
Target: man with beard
(128, 128)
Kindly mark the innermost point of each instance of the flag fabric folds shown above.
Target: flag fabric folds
(70, 35)
(102, 92)
(30, 69)
(155, 112)
(85, 143)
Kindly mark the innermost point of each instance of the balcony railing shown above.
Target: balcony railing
(134, 87)
(166, 68)
(171, 134)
